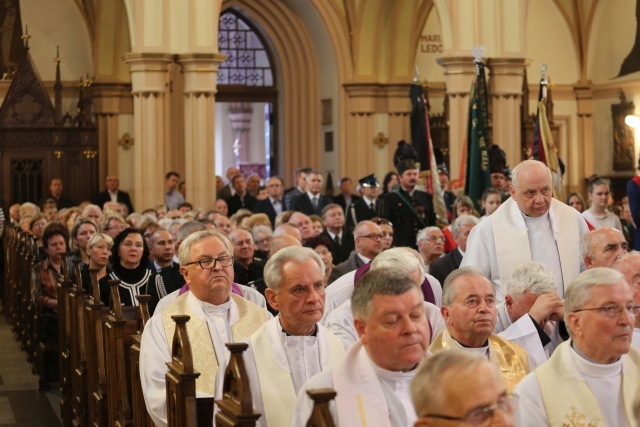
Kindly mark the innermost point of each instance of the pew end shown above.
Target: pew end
(321, 416)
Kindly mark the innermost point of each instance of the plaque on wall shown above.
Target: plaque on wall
(623, 135)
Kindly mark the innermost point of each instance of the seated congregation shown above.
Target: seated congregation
(293, 308)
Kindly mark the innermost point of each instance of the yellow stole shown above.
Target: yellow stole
(567, 397)
(510, 358)
(251, 317)
(276, 386)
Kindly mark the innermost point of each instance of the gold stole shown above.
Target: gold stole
(567, 397)
(204, 356)
(276, 386)
(509, 358)
(512, 234)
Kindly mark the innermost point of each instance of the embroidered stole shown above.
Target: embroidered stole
(276, 385)
(510, 358)
(361, 400)
(567, 396)
(251, 317)
(512, 240)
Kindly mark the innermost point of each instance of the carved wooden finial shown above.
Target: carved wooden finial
(25, 37)
(143, 311)
(321, 416)
(180, 347)
(115, 307)
(95, 286)
(57, 59)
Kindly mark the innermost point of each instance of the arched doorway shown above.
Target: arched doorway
(247, 99)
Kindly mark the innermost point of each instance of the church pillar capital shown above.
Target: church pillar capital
(149, 71)
(200, 71)
(507, 75)
(459, 72)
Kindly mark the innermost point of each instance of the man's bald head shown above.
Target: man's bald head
(283, 241)
(602, 247)
(288, 230)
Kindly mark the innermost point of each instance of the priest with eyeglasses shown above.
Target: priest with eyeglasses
(217, 317)
(593, 378)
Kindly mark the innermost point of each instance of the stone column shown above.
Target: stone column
(506, 78)
(584, 148)
(459, 75)
(109, 100)
(200, 74)
(149, 82)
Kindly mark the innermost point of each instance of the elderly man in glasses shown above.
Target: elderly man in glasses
(593, 377)
(430, 243)
(218, 316)
(457, 387)
(368, 242)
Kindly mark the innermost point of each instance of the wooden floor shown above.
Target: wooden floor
(21, 404)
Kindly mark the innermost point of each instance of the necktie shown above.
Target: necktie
(337, 240)
(371, 207)
(314, 201)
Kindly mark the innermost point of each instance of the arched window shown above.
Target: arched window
(247, 62)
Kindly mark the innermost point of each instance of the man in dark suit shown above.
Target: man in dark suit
(345, 198)
(166, 276)
(299, 185)
(461, 228)
(311, 202)
(227, 191)
(113, 194)
(409, 210)
(342, 239)
(368, 206)
(56, 188)
(242, 198)
(274, 203)
(368, 243)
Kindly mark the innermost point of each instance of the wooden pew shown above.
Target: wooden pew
(141, 417)
(121, 324)
(64, 337)
(95, 314)
(321, 416)
(236, 405)
(78, 356)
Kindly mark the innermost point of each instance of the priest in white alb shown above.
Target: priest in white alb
(629, 266)
(402, 260)
(469, 310)
(529, 226)
(373, 379)
(217, 317)
(531, 312)
(292, 347)
(592, 379)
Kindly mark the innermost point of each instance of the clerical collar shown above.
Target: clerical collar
(410, 193)
(214, 309)
(484, 346)
(589, 364)
(529, 218)
(312, 334)
(387, 375)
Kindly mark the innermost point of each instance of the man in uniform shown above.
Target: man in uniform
(367, 207)
(409, 210)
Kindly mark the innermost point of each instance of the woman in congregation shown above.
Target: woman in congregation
(576, 201)
(387, 231)
(323, 246)
(81, 232)
(44, 289)
(99, 251)
(491, 201)
(598, 214)
(37, 224)
(130, 261)
(462, 206)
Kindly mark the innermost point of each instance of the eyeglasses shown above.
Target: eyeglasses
(210, 263)
(614, 310)
(372, 236)
(480, 416)
(434, 239)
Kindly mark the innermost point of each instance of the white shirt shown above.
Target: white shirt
(277, 204)
(113, 196)
(635, 339)
(543, 246)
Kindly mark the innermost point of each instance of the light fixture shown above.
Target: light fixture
(633, 121)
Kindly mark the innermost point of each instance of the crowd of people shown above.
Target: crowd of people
(523, 310)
